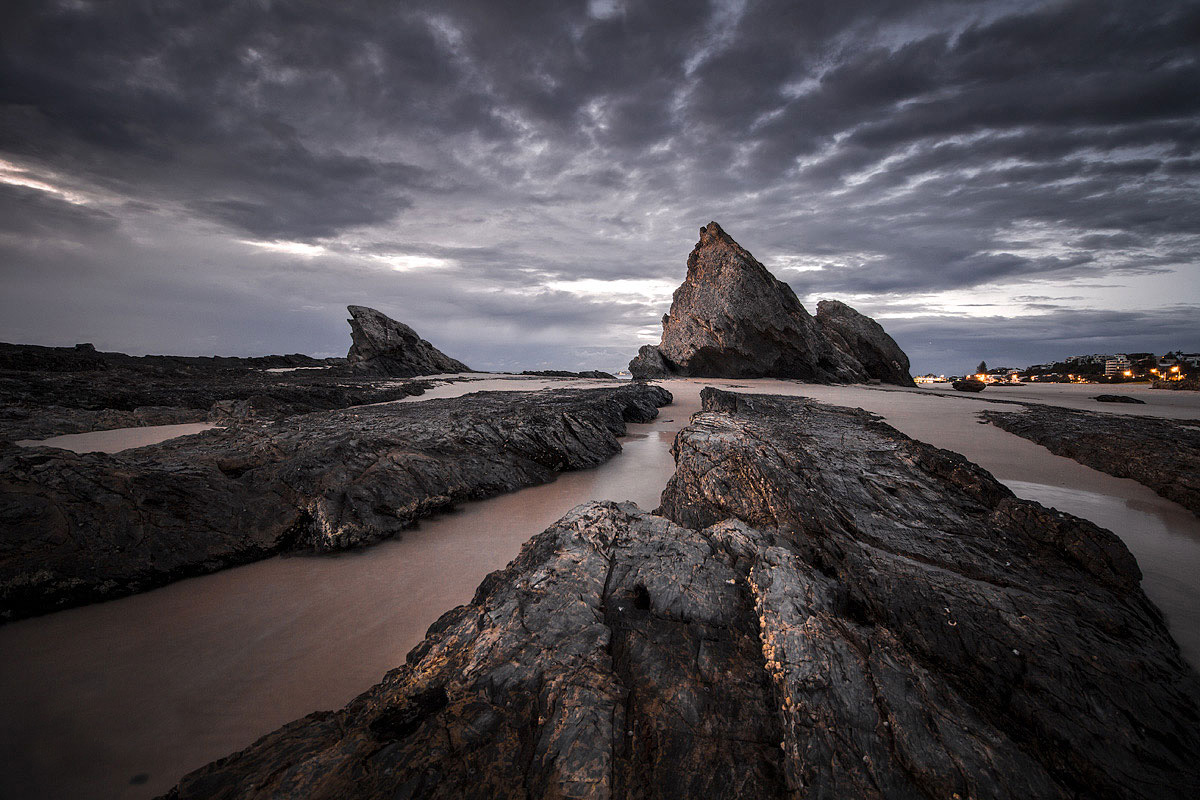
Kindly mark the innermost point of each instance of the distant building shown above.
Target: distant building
(1117, 365)
(1094, 358)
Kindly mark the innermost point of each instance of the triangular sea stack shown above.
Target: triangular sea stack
(731, 318)
(382, 346)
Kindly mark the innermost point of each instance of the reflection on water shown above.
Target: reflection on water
(1158, 535)
(116, 439)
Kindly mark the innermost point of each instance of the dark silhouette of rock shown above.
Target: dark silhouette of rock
(731, 318)
(383, 346)
(594, 374)
(85, 527)
(969, 385)
(649, 363)
(827, 609)
(866, 340)
(1160, 453)
(1119, 398)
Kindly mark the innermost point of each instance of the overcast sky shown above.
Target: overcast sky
(522, 182)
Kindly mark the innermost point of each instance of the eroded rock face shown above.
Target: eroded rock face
(939, 635)
(827, 609)
(86, 527)
(866, 340)
(1160, 453)
(383, 346)
(731, 318)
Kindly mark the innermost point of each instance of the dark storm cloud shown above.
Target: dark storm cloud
(904, 148)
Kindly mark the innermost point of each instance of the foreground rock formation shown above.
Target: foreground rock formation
(383, 346)
(1160, 453)
(825, 608)
(731, 318)
(80, 528)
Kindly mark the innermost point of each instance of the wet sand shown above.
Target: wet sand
(1167, 403)
(117, 439)
(163, 682)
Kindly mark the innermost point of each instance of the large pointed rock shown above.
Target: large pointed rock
(383, 346)
(731, 318)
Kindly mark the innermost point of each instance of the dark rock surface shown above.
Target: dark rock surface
(864, 616)
(649, 364)
(1119, 398)
(866, 340)
(79, 528)
(969, 385)
(1160, 453)
(383, 346)
(731, 318)
(562, 373)
(86, 358)
(46, 398)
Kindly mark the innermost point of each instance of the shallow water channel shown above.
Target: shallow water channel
(120, 699)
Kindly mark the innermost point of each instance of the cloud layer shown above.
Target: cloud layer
(522, 182)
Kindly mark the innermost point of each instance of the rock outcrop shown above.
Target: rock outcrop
(1160, 453)
(383, 346)
(85, 527)
(866, 340)
(594, 374)
(826, 608)
(47, 391)
(731, 318)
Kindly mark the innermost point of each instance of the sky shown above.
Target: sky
(522, 182)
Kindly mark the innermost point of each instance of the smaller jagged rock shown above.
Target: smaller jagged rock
(969, 385)
(865, 340)
(1119, 398)
(383, 346)
(594, 374)
(648, 363)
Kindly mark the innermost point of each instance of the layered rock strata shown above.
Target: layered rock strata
(1160, 453)
(826, 608)
(731, 318)
(383, 346)
(84, 527)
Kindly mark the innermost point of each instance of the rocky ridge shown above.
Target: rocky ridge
(48, 391)
(731, 318)
(383, 346)
(823, 608)
(1160, 453)
(87, 527)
